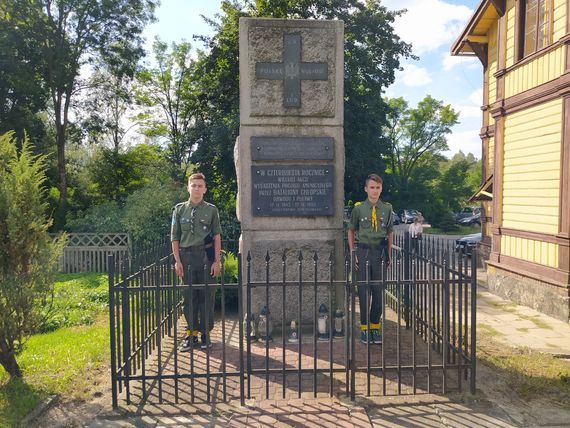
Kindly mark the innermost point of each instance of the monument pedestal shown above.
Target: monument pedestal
(290, 161)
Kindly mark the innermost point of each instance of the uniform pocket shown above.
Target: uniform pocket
(365, 223)
(205, 226)
(185, 224)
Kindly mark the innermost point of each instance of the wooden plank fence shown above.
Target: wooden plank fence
(87, 252)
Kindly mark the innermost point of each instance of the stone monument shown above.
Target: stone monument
(289, 155)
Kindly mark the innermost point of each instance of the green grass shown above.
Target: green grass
(65, 359)
(528, 373)
(78, 299)
(488, 330)
(459, 230)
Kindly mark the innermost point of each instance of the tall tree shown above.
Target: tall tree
(105, 108)
(28, 256)
(22, 91)
(372, 54)
(168, 88)
(71, 33)
(415, 136)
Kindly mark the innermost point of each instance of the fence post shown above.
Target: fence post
(407, 253)
(473, 319)
(126, 321)
(111, 279)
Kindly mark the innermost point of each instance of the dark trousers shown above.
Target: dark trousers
(374, 257)
(202, 307)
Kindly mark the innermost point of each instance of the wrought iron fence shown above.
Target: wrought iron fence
(428, 324)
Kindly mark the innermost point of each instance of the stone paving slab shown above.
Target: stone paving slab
(521, 326)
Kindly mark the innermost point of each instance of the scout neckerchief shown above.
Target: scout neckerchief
(374, 219)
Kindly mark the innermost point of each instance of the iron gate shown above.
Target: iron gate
(428, 323)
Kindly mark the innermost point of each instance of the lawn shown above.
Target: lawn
(459, 230)
(74, 343)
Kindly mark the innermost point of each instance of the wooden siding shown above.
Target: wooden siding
(531, 181)
(546, 67)
(544, 253)
(559, 19)
(492, 52)
(490, 156)
(510, 45)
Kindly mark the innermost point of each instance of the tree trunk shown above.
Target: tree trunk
(62, 185)
(8, 361)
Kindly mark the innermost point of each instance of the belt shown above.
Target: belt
(383, 243)
(195, 248)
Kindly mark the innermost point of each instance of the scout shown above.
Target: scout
(193, 222)
(370, 235)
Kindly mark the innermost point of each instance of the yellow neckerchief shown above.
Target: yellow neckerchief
(374, 218)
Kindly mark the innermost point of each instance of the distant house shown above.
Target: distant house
(524, 46)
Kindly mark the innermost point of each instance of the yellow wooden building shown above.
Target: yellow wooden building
(524, 46)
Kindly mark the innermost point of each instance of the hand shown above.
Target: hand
(179, 269)
(215, 270)
(389, 262)
(355, 262)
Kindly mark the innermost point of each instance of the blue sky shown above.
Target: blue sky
(430, 26)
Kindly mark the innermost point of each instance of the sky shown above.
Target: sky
(431, 26)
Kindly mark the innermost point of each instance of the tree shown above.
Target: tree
(22, 92)
(372, 54)
(417, 137)
(71, 33)
(28, 256)
(105, 108)
(168, 88)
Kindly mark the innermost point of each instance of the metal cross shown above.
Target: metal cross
(291, 70)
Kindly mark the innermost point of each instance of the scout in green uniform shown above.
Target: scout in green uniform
(370, 235)
(192, 222)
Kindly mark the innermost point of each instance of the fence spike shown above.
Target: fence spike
(248, 258)
(300, 258)
(267, 257)
(284, 256)
(331, 257)
(315, 257)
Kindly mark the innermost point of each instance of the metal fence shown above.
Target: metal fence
(428, 328)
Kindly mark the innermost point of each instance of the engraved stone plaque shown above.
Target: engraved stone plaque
(292, 190)
(292, 148)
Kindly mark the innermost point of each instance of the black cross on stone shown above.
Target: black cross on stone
(291, 70)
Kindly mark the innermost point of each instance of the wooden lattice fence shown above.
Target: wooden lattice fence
(87, 252)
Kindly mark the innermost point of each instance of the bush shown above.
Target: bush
(28, 256)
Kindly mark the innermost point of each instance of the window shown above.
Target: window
(535, 27)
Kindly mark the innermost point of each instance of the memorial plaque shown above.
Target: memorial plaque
(292, 148)
(292, 190)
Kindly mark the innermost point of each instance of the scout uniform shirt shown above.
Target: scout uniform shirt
(191, 224)
(370, 229)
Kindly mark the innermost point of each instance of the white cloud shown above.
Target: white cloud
(413, 76)
(449, 62)
(476, 96)
(429, 24)
(466, 141)
(467, 111)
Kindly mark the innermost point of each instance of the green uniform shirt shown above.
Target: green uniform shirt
(361, 222)
(192, 231)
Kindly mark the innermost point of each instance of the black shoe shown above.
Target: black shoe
(188, 342)
(205, 343)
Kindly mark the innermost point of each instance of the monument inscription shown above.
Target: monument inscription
(291, 70)
(292, 190)
(292, 148)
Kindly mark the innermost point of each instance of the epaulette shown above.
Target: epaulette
(177, 205)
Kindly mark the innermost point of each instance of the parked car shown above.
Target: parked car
(471, 220)
(395, 218)
(466, 212)
(466, 244)
(407, 215)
